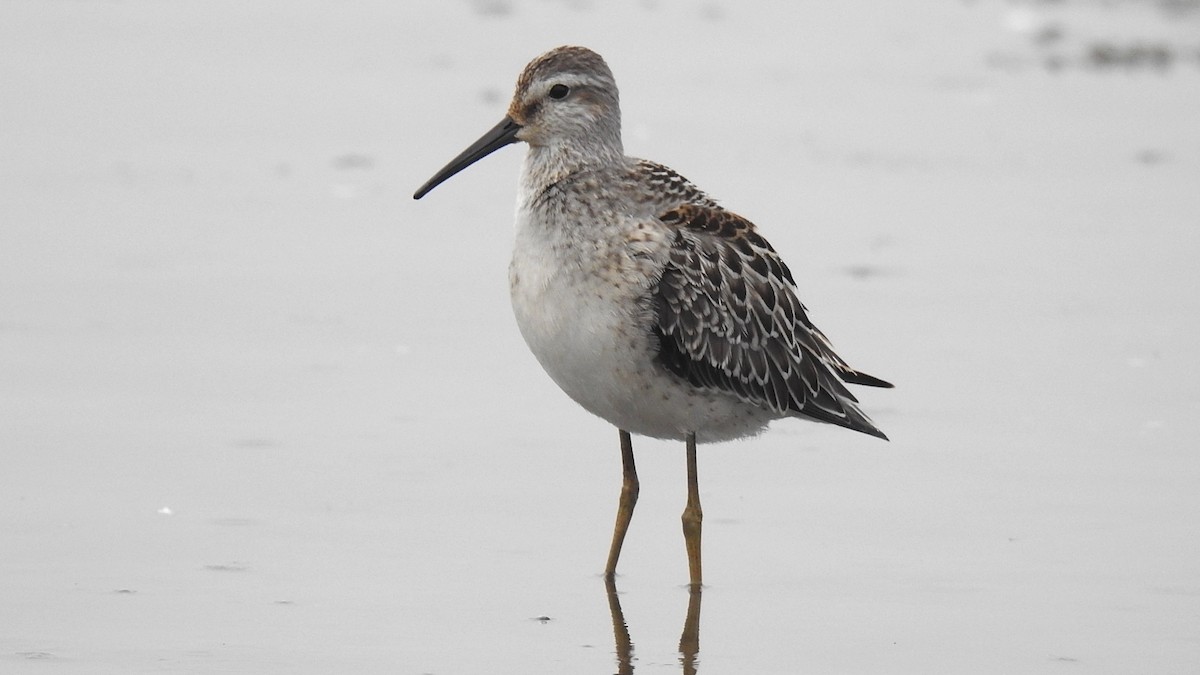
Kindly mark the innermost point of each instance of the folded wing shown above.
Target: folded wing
(729, 320)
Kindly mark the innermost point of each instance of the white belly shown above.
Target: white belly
(586, 324)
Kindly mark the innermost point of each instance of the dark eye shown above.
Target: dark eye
(559, 91)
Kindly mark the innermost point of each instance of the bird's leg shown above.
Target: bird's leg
(629, 495)
(692, 515)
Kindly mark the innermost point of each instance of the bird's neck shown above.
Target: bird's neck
(546, 165)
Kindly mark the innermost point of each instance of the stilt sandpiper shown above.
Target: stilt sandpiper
(648, 303)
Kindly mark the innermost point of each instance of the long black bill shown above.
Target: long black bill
(499, 136)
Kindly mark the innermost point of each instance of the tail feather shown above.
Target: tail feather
(855, 377)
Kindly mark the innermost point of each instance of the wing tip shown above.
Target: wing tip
(874, 431)
(856, 420)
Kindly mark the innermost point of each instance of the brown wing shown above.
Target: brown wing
(729, 320)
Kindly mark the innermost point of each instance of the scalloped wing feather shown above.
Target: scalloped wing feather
(729, 319)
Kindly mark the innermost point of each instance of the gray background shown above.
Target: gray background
(260, 412)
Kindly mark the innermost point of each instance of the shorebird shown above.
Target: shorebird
(647, 302)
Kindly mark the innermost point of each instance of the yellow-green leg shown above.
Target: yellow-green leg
(629, 495)
(692, 515)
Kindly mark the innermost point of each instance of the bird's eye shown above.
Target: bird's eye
(559, 91)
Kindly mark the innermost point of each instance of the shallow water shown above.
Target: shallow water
(261, 412)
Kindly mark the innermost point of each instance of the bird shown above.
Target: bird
(647, 302)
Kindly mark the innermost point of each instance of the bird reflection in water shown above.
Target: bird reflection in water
(689, 640)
